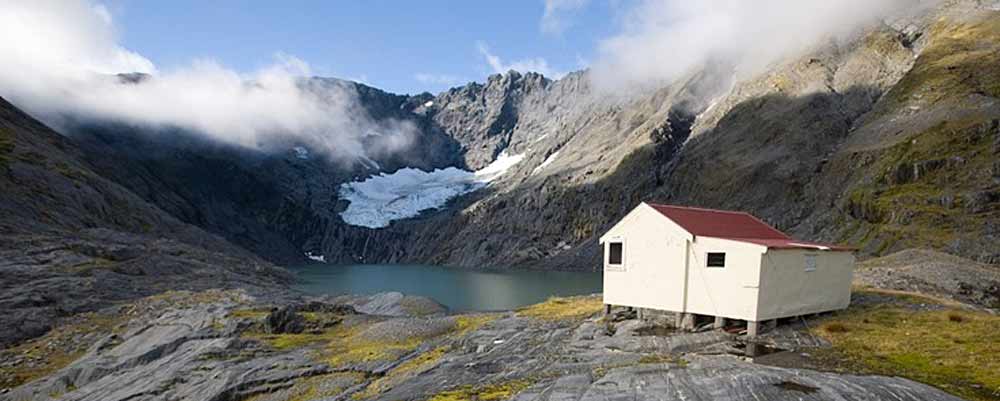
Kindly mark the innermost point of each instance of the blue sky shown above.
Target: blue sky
(400, 46)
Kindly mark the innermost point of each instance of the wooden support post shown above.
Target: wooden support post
(752, 329)
(642, 313)
(607, 309)
(720, 322)
(678, 319)
(687, 322)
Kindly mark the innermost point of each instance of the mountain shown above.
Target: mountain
(74, 241)
(887, 141)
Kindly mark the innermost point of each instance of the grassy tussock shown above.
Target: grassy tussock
(345, 344)
(489, 392)
(472, 322)
(953, 349)
(403, 372)
(51, 359)
(313, 388)
(564, 308)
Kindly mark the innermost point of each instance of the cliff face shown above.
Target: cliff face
(73, 241)
(887, 141)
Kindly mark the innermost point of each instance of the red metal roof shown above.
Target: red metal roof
(736, 226)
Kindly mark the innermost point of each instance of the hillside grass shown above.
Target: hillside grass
(948, 347)
(484, 392)
(564, 308)
(47, 354)
(931, 210)
(961, 58)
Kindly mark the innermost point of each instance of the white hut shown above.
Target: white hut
(727, 265)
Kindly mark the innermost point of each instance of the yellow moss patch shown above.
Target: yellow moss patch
(557, 308)
(49, 359)
(342, 344)
(253, 314)
(659, 358)
(472, 322)
(490, 392)
(349, 346)
(956, 350)
(404, 371)
(329, 385)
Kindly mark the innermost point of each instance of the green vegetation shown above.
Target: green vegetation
(489, 392)
(472, 322)
(951, 348)
(921, 187)
(960, 59)
(71, 337)
(316, 387)
(662, 358)
(340, 343)
(349, 345)
(564, 308)
(46, 358)
(401, 373)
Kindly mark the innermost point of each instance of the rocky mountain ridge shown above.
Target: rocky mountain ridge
(885, 142)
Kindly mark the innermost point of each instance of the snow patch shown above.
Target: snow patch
(378, 200)
(548, 161)
(314, 257)
(301, 152)
(429, 103)
(541, 137)
(499, 166)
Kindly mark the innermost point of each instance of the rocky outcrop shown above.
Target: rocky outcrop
(394, 304)
(934, 273)
(210, 351)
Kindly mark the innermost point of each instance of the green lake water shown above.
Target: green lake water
(458, 289)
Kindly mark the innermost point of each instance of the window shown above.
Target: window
(810, 263)
(616, 252)
(716, 259)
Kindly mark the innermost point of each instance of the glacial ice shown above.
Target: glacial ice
(378, 200)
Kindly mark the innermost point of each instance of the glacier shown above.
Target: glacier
(378, 200)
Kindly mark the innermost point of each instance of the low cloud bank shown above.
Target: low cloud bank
(661, 40)
(61, 58)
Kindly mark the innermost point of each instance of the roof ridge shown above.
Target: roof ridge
(704, 209)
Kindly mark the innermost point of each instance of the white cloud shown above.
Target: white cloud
(61, 57)
(439, 79)
(537, 64)
(558, 15)
(662, 39)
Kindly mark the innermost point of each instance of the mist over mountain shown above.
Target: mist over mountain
(151, 217)
(821, 134)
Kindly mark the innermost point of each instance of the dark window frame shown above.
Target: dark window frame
(621, 253)
(712, 260)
